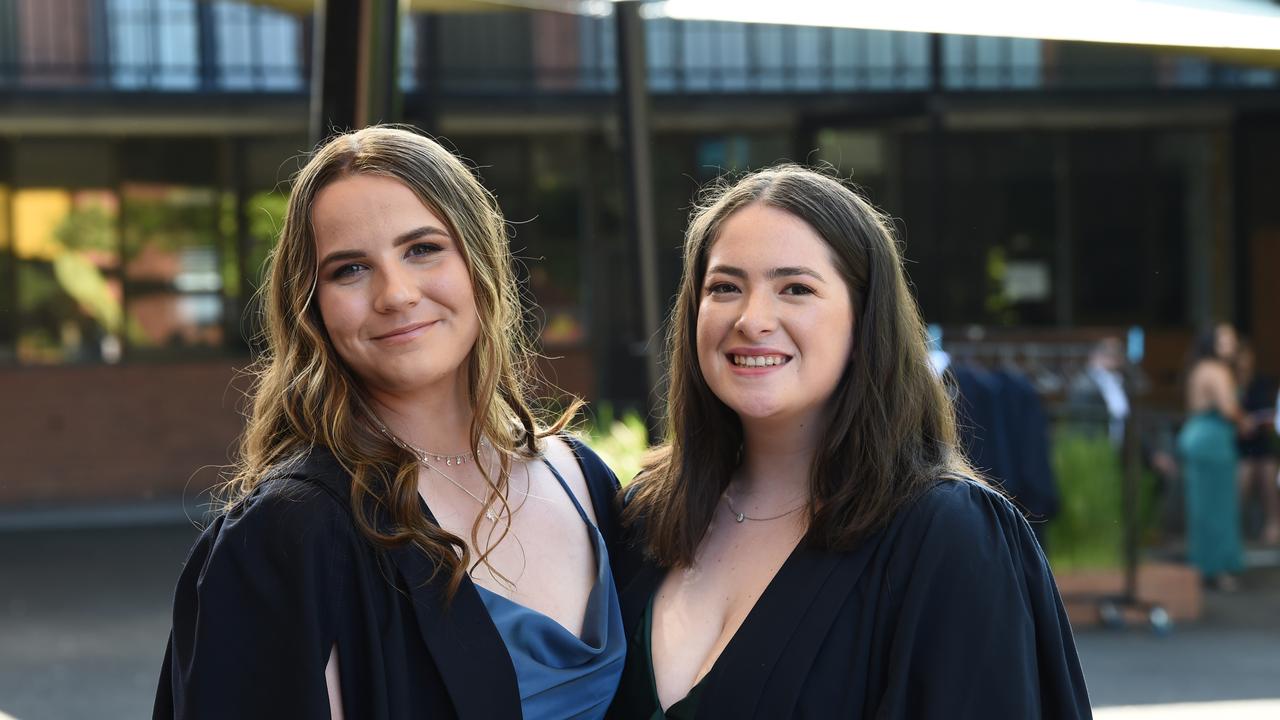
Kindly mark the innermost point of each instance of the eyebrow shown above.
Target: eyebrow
(771, 274)
(401, 239)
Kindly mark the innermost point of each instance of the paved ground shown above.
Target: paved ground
(84, 619)
(1232, 654)
(84, 616)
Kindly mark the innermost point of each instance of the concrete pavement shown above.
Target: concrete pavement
(84, 616)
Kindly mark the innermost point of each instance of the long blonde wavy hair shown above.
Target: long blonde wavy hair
(304, 395)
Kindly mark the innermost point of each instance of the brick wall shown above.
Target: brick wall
(139, 432)
(125, 433)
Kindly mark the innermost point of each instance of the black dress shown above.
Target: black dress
(1259, 395)
(273, 585)
(949, 612)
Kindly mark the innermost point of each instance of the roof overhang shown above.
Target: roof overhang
(1245, 31)
(446, 6)
(1237, 31)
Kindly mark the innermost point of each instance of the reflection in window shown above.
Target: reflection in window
(8, 318)
(172, 267)
(265, 211)
(68, 283)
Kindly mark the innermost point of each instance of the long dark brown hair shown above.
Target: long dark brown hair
(892, 429)
(305, 396)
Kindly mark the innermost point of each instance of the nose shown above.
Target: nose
(395, 290)
(759, 316)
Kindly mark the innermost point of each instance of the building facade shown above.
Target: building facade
(146, 148)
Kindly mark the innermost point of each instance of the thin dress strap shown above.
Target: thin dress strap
(568, 491)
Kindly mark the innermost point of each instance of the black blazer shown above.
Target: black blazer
(949, 612)
(272, 585)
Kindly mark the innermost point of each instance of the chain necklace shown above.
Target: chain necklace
(743, 516)
(424, 458)
(446, 458)
(489, 512)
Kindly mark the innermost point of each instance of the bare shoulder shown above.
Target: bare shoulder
(557, 452)
(1212, 372)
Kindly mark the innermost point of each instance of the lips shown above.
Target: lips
(405, 332)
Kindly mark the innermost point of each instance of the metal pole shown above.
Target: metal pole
(429, 71)
(354, 77)
(333, 67)
(634, 96)
(1129, 499)
(380, 60)
(1064, 233)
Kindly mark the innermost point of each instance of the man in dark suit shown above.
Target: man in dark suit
(1099, 396)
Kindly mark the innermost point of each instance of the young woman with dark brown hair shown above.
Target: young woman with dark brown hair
(816, 545)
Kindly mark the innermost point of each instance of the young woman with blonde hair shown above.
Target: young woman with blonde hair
(401, 538)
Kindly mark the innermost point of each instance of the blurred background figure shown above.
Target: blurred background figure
(1207, 449)
(1100, 390)
(1258, 452)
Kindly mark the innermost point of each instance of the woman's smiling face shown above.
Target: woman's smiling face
(775, 321)
(393, 288)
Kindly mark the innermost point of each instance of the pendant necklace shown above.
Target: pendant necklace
(740, 516)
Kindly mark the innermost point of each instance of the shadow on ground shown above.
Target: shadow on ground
(85, 616)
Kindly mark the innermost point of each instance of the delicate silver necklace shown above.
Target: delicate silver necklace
(743, 516)
(489, 512)
(446, 458)
(424, 458)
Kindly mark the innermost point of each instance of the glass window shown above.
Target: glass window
(137, 250)
(173, 268)
(266, 210)
(68, 280)
(8, 281)
(258, 47)
(154, 44)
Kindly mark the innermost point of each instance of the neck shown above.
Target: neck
(776, 458)
(437, 421)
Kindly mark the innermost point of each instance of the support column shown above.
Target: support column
(1064, 275)
(354, 75)
(634, 106)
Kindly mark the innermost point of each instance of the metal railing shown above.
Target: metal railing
(214, 46)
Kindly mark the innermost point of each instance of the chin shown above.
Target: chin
(756, 408)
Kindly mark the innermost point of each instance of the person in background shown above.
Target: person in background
(816, 543)
(1098, 393)
(1258, 461)
(402, 538)
(1208, 456)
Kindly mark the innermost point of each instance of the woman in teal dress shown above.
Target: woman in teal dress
(1207, 449)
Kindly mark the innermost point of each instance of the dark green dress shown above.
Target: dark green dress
(637, 697)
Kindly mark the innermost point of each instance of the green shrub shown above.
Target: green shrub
(620, 442)
(1089, 530)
